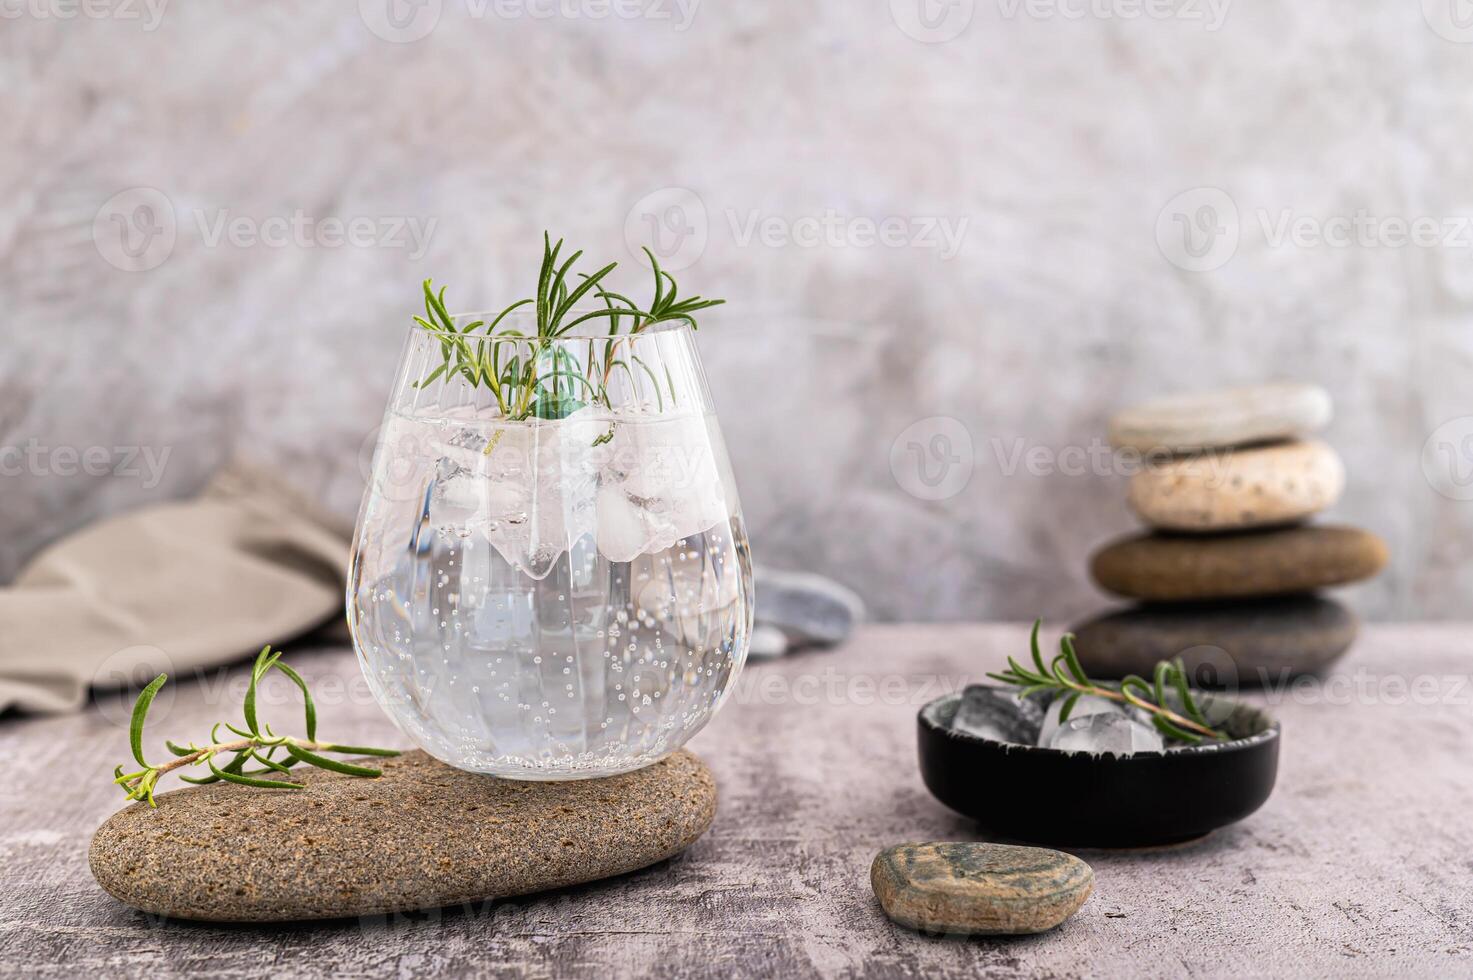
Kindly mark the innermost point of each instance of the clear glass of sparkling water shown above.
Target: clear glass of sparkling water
(550, 576)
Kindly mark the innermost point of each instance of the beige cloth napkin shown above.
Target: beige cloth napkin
(169, 588)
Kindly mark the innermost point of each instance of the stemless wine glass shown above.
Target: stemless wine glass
(550, 575)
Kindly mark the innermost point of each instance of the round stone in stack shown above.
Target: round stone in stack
(422, 835)
(1235, 489)
(1252, 643)
(1225, 417)
(965, 889)
(1188, 568)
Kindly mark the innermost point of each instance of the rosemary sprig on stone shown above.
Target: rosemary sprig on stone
(531, 376)
(256, 744)
(1066, 678)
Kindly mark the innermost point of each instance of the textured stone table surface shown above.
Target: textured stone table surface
(1361, 864)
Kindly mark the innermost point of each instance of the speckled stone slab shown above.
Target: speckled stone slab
(1185, 568)
(979, 889)
(1238, 489)
(422, 835)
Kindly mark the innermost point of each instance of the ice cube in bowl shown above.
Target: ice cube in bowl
(1001, 715)
(1084, 706)
(1111, 731)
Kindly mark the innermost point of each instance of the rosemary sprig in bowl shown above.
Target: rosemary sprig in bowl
(1065, 677)
(256, 743)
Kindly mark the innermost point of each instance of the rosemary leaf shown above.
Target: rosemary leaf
(1189, 703)
(140, 712)
(239, 780)
(1018, 671)
(322, 762)
(269, 763)
(1033, 646)
(1066, 643)
(261, 665)
(659, 280)
(308, 708)
(427, 379)
(355, 750)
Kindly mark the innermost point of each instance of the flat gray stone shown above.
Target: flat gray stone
(422, 835)
(1222, 418)
(809, 609)
(979, 889)
(1250, 643)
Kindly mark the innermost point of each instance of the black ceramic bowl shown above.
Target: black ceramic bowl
(1048, 796)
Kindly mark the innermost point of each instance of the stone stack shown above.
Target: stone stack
(1227, 577)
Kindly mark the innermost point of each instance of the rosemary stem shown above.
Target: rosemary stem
(1165, 712)
(491, 443)
(237, 746)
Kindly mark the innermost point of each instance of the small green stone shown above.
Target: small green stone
(979, 889)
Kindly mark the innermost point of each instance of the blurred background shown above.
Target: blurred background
(955, 236)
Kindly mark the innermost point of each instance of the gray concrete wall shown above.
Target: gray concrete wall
(984, 227)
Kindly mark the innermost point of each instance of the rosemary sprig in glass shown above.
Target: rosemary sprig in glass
(531, 376)
(256, 743)
(1066, 678)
